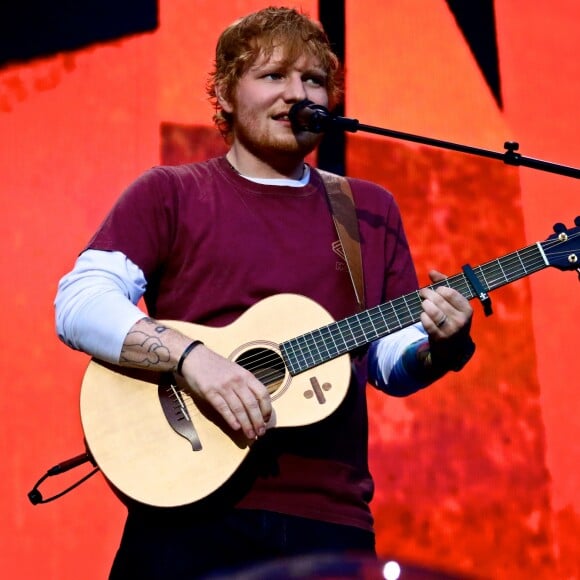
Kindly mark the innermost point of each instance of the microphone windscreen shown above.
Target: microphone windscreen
(307, 116)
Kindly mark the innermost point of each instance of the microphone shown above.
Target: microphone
(307, 116)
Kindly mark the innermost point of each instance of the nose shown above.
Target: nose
(294, 90)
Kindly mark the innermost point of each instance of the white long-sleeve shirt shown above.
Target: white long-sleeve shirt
(96, 306)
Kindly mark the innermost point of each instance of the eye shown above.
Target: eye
(272, 76)
(315, 80)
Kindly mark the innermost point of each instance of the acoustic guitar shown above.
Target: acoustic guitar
(159, 446)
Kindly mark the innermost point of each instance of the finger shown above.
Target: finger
(249, 401)
(436, 325)
(255, 408)
(439, 316)
(263, 398)
(439, 289)
(436, 276)
(256, 400)
(433, 304)
(447, 300)
(437, 296)
(219, 403)
(245, 412)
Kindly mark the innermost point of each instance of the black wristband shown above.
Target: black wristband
(185, 354)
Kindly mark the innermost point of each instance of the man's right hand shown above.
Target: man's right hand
(235, 393)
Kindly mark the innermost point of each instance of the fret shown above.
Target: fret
(383, 319)
(406, 302)
(374, 328)
(456, 282)
(485, 281)
(320, 343)
(520, 260)
(513, 264)
(396, 316)
(499, 273)
(294, 364)
(328, 336)
(348, 333)
(390, 320)
(517, 264)
(363, 318)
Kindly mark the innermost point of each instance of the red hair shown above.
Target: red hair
(259, 33)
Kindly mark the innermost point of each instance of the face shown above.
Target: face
(261, 101)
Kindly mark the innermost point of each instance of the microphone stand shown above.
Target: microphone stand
(306, 115)
(320, 118)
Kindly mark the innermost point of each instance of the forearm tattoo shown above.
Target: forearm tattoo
(144, 347)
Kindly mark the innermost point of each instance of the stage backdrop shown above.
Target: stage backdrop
(477, 475)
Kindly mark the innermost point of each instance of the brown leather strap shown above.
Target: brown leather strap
(344, 215)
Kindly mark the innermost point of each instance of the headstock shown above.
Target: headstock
(562, 249)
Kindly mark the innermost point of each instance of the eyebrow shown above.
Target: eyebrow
(284, 64)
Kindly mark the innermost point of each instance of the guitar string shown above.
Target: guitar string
(496, 266)
(495, 273)
(389, 319)
(493, 267)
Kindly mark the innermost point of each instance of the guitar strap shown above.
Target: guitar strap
(343, 213)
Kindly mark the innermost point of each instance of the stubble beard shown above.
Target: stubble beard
(277, 149)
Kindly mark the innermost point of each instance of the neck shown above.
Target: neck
(279, 167)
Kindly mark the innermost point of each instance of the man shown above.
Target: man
(203, 242)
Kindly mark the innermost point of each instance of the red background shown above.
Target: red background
(478, 474)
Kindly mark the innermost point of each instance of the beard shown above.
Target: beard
(274, 146)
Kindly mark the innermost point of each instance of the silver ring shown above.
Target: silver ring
(442, 321)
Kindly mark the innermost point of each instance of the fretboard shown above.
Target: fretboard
(328, 342)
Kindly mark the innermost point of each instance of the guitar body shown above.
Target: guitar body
(129, 431)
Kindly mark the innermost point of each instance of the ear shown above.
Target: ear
(224, 103)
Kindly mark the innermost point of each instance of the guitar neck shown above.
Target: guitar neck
(328, 342)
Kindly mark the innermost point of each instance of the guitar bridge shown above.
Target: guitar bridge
(176, 413)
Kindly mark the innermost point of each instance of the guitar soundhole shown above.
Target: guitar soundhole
(266, 365)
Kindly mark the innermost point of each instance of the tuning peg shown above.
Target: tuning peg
(559, 228)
